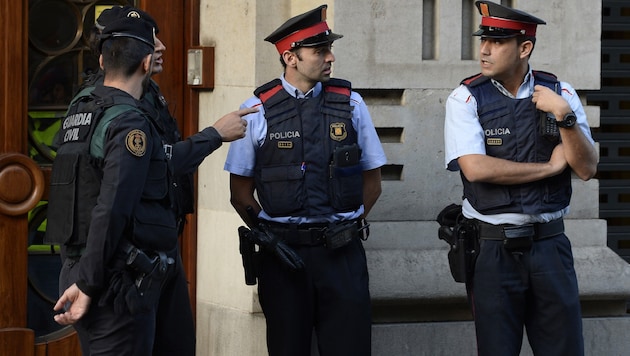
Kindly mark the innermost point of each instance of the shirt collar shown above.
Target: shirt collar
(524, 91)
(297, 93)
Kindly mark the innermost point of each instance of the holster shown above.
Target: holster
(249, 255)
(462, 236)
(463, 254)
(136, 282)
(144, 295)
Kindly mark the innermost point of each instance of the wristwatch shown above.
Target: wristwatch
(567, 121)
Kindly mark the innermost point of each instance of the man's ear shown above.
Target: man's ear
(290, 58)
(526, 48)
(147, 62)
(100, 61)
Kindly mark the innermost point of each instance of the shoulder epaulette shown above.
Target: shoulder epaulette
(266, 91)
(339, 86)
(475, 80)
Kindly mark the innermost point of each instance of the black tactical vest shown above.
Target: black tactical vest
(76, 174)
(309, 164)
(513, 130)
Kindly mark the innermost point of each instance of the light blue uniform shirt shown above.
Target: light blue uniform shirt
(241, 158)
(463, 135)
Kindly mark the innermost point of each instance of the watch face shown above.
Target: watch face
(569, 120)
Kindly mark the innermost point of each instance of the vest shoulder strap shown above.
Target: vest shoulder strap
(266, 91)
(547, 79)
(475, 80)
(339, 86)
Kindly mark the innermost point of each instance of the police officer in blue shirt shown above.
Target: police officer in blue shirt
(516, 135)
(313, 158)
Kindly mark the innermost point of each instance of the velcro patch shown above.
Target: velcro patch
(136, 142)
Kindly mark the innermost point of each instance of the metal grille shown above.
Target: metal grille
(614, 132)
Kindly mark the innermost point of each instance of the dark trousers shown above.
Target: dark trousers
(536, 289)
(167, 329)
(330, 297)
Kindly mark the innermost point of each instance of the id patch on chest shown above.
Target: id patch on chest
(136, 142)
(285, 144)
(494, 141)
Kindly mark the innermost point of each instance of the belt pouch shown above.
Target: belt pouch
(518, 238)
(340, 234)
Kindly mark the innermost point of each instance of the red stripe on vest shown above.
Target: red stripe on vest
(269, 93)
(338, 90)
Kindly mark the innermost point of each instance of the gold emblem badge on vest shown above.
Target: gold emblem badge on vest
(338, 131)
(136, 142)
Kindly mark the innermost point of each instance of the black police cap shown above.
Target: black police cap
(117, 12)
(306, 30)
(500, 21)
(132, 26)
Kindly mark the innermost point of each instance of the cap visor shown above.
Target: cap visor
(320, 40)
(494, 34)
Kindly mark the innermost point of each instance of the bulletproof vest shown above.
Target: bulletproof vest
(309, 163)
(156, 107)
(76, 174)
(514, 130)
(154, 103)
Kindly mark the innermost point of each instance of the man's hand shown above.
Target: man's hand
(79, 305)
(232, 126)
(549, 101)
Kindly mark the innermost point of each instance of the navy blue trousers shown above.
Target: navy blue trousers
(331, 298)
(537, 290)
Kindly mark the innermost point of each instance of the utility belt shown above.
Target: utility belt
(331, 235)
(464, 235)
(519, 237)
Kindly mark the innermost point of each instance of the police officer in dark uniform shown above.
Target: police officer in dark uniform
(185, 155)
(516, 135)
(111, 210)
(313, 158)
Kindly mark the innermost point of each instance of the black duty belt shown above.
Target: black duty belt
(537, 231)
(304, 234)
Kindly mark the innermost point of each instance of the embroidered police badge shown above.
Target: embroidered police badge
(338, 131)
(136, 142)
